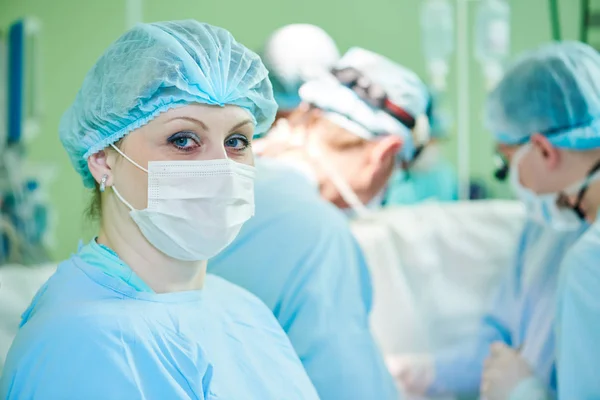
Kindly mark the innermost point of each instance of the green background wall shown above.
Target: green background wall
(77, 31)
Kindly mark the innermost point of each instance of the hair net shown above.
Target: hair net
(295, 54)
(156, 67)
(344, 107)
(555, 91)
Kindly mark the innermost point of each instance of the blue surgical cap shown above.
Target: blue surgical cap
(295, 54)
(343, 106)
(153, 68)
(554, 91)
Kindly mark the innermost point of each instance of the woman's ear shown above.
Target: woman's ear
(100, 167)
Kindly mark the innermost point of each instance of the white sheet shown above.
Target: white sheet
(434, 267)
(18, 285)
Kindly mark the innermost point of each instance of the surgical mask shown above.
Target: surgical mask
(195, 208)
(550, 209)
(342, 186)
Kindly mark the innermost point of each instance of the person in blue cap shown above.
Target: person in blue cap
(300, 257)
(547, 107)
(356, 125)
(161, 129)
(544, 116)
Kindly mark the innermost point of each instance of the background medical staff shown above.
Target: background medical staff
(520, 324)
(355, 125)
(548, 105)
(293, 55)
(300, 258)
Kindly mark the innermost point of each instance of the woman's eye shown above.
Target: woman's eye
(237, 143)
(184, 141)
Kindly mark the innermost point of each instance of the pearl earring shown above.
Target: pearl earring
(103, 183)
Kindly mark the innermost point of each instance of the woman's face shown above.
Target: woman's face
(193, 132)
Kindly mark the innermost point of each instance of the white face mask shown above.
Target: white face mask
(544, 208)
(195, 208)
(342, 186)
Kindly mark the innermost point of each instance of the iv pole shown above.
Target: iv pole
(462, 80)
(133, 13)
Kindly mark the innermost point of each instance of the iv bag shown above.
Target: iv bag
(492, 38)
(437, 27)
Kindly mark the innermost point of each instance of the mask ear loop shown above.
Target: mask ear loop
(125, 156)
(114, 189)
(340, 184)
(592, 174)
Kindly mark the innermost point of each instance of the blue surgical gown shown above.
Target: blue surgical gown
(578, 320)
(521, 314)
(300, 258)
(89, 334)
(438, 183)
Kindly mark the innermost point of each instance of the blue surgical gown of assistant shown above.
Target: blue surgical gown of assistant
(95, 331)
(578, 320)
(300, 258)
(522, 315)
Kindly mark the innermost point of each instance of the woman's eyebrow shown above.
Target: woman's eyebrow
(192, 120)
(247, 121)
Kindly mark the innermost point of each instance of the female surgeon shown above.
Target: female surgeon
(162, 128)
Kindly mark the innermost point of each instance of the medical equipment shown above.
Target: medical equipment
(492, 35)
(133, 13)
(492, 38)
(501, 167)
(437, 26)
(25, 107)
(555, 19)
(23, 204)
(463, 103)
(3, 90)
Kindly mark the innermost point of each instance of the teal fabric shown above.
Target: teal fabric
(440, 183)
(90, 335)
(109, 262)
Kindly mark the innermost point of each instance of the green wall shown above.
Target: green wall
(77, 31)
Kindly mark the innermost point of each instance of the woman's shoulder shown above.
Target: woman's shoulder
(235, 300)
(215, 286)
(76, 351)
